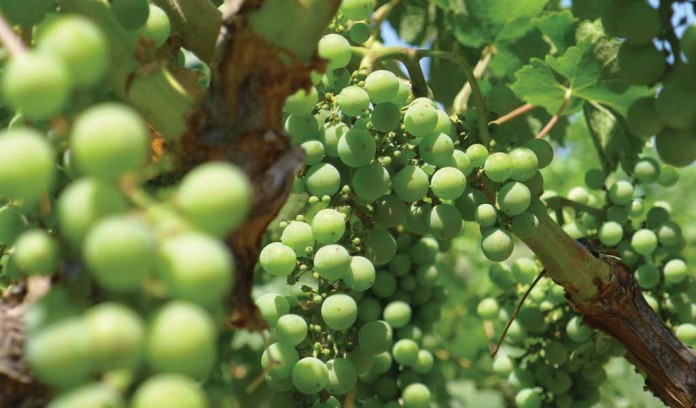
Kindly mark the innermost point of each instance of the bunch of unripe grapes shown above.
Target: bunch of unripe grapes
(563, 361)
(138, 273)
(669, 116)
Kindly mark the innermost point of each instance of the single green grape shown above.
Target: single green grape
(169, 390)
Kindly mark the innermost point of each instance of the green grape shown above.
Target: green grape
(502, 365)
(353, 100)
(119, 252)
(169, 391)
(636, 208)
(651, 62)
(342, 376)
(291, 329)
(610, 233)
(410, 184)
(380, 247)
(543, 151)
(668, 176)
(131, 14)
(59, 354)
(524, 270)
(469, 202)
(417, 219)
(382, 363)
(322, 179)
(371, 182)
(477, 154)
(577, 331)
(361, 275)
(336, 50)
(669, 234)
(400, 265)
(314, 152)
(157, 26)
(26, 164)
(89, 395)
(356, 9)
(555, 353)
(332, 262)
(675, 147)
(109, 139)
(617, 214)
(642, 118)
(385, 117)
(595, 179)
(375, 337)
(437, 149)
(501, 275)
(116, 336)
(403, 97)
(360, 32)
(196, 267)
(302, 102)
(444, 221)
(648, 276)
(488, 309)
(170, 349)
(279, 359)
(382, 86)
(514, 198)
(216, 197)
(424, 251)
(369, 308)
(560, 383)
(272, 306)
(646, 170)
(675, 271)
(357, 148)
(497, 244)
(397, 314)
(278, 259)
(423, 365)
(35, 252)
(405, 352)
(11, 223)
(302, 128)
(621, 192)
(524, 163)
(532, 319)
(84, 202)
(390, 211)
(310, 375)
(686, 333)
(362, 362)
(444, 124)
(486, 215)
(644, 242)
(81, 45)
(416, 395)
(420, 119)
(328, 226)
(26, 12)
(525, 225)
(336, 80)
(498, 167)
(521, 378)
(640, 23)
(461, 161)
(299, 236)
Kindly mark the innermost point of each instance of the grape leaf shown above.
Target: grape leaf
(585, 71)
(197, 22)
(501, 21)
(558, 29)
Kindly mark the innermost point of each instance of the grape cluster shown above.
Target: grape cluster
(138, 272)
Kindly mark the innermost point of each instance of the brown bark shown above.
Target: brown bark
(620, 310)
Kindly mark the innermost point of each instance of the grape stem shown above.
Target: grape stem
(379, 16)
(517, 311)
(513, 114)
(554, 119)
(10, 40)
(461, 101)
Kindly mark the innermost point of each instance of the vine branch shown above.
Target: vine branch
(10, 40)
(461, 101)
(513, 114)
(554, 119)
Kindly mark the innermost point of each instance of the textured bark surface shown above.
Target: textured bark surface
(620, 310)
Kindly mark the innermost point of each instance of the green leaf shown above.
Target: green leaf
(196, 22)
(558, 29)
(585, 71)
(501, 21)
(613, 143)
